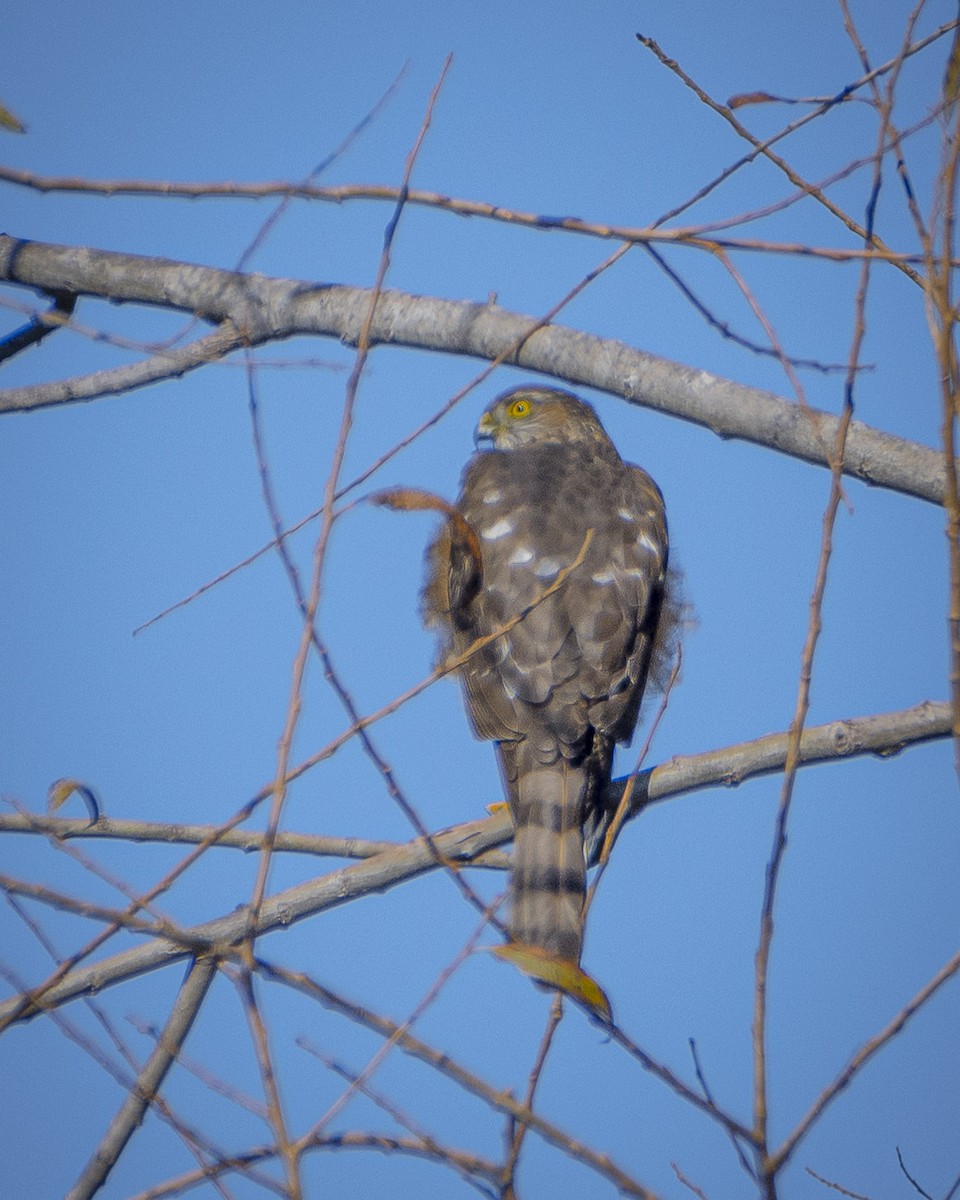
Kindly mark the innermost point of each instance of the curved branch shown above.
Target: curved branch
(262, 309)
(884, 735)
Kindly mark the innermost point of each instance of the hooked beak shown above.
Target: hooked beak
(484, 436)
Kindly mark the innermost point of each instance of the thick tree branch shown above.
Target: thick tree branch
(262, 309)
(884, 735)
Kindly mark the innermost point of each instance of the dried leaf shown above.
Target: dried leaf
(417, 500)
(9, 121)
(560, 973)
(411, 500)
(745, 98)
(951, 79)
(62, 789)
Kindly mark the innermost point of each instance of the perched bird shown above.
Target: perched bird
(563, 684)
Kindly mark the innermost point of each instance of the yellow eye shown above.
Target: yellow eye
(519, 408)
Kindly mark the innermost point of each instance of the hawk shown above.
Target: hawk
(563, 684)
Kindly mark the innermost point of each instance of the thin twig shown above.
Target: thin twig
(499, 1100)
(723, 328)
(198, 1070)
(836, 1187)
(708, 1095)
(242, 1163)
(287, 1150)
(681, 1178)
(873, 242)
(338, 152)
(662, 1072)
(916, 1186)
(516, 1133)
(165, 833)
(279, 788)
(861, 1058)
(133, 1109)
(429, 997)
(775, 863)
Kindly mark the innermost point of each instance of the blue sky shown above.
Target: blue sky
(113, 510)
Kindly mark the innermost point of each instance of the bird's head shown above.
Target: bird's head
(537, 416)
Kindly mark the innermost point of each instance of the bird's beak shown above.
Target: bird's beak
(484, 436)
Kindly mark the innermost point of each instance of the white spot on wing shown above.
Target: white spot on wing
(498, 530)
(492, 496)
(546, 568)
(603, 577)
(646, 543)
(625, 514)
(521, 555)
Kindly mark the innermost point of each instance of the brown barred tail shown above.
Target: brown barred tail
(549, 874)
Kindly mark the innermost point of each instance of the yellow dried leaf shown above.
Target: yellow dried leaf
(62, 789)
(560, 973)
(9, 121)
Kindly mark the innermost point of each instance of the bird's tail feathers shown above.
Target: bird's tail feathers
(549, 872)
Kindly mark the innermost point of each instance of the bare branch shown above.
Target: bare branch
(264, 309)
(517, 1132)
(154, 831)
(278, 912)
(763, 148)
(916, 1186)
(134, 1108)
(469, 1165)
(836, 1187)
(259, 1036)
(437, 1151)
(882, 735)
(861, 1058)
(498, 1099)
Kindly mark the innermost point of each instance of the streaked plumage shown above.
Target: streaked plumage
(564, 684)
